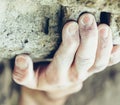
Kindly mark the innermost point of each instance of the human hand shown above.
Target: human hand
(85, 50)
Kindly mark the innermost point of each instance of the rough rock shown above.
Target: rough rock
(34, 26)
(26, 26)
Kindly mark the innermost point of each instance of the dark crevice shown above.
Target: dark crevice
(112, 74)
(41, 65)
(12, 63)
(105, 17)
(51, 54)
(26, 41)
(60, 19)
(1, 68)
(69, 21)
(46, 25)
(60, 25)
(9, 33)
(13, 87)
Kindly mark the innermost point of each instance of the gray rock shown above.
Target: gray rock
(28, 27)
(34, 26)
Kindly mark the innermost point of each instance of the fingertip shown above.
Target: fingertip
(23, 64)
(23, 61)
(86, 19)
(17, 79)
(105, 36)
(104, 27)
(70, 34)
(70, 28)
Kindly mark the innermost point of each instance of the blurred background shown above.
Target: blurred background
(100, 89)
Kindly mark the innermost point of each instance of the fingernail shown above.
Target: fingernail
(21, 62)
(73, 28)
(87, 20)
(104, 32)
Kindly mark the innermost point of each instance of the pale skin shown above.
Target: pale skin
(85, 50)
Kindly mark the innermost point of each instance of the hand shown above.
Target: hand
(85, 50)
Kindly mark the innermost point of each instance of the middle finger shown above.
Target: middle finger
(86, 53)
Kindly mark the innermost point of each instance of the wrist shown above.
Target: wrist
(34, 97)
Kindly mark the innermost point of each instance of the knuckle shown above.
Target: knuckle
(86, 61)
(83, 65)
(51, 79)
(86, 32)
(18, 76)
(17, 79)
(100, 67)
(20, 73)
(103, 44)
(72, 42)
(88, 29)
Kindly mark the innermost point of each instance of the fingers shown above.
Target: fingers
(115, 55)
(58, 67)
(64, 56)
(23, 73)
(85, 55)
(74, 58)
(104, 48)
(70, 41)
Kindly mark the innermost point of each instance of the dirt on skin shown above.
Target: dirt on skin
(34, 27)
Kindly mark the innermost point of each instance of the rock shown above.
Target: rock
(106, 5)
(34, 27)
(112, 19)
(28, 27)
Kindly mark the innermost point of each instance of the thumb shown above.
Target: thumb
(23, 73)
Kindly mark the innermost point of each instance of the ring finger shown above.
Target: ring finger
(104, 49)
(86, 52)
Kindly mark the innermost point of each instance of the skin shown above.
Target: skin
(85, 50)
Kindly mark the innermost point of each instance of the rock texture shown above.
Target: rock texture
(34, 26)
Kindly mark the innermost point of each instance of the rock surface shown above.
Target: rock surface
(34, 26)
